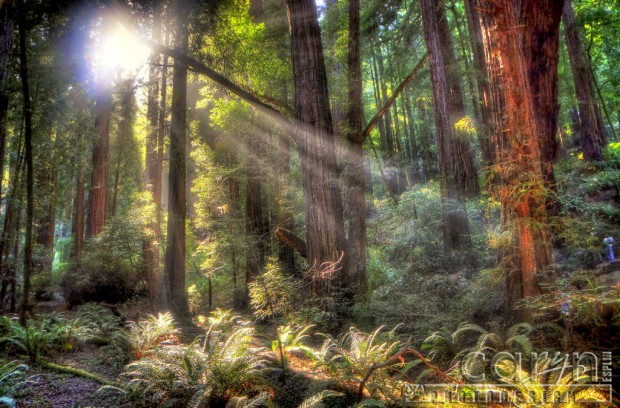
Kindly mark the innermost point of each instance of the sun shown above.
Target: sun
(120, 50)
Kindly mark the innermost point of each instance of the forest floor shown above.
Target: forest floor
(47, 388)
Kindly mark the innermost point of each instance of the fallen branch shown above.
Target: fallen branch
(373, 122)
(436, 370)
(290, 239)
(75, 371)
(395, 359)
(247, 96)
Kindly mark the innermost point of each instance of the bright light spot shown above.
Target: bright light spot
(121, 50)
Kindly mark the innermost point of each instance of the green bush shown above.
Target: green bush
(110, 268)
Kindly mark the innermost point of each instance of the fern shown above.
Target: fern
(12, 375)
(206, 373)
(144, 336)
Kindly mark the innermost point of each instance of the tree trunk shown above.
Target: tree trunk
(458, 173)
(152, 231)
(590, 129)
(6, 46)
(14, 197)
(521, 46)
(323, 205)
(482, 82)
(23, 66)
(356, 174)
(79, 215)
(257, 224)
(175, 244)
(98, 197)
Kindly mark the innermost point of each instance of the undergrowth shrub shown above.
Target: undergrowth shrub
(274, 292)
(110, 268)
(41, 337)
(97, 323)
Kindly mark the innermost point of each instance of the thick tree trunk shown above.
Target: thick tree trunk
(6, 46)
(356, 175)
(23, 66)
(521, 46)
(176, 295)
(325, 227)
(591, 130)
(458, 173)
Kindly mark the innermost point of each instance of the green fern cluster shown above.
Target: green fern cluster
(12, 375)
(355, 354)
(144, 337)
(52, 334)
(209, 372)
(97, 324)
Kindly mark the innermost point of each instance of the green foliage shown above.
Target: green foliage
(145, 336)
(207, 374)
(273, 293)
(97, 323)
(355, 354)
(12, 375)
(292, 339)
(324, 399)
(40, 338)
(408, 266)
(108, 270)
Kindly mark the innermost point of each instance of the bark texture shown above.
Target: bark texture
(176, 295)
(323, 205)
(459, 177)
(590, 122)
(6, 45)
(356, 175)
(521, 47)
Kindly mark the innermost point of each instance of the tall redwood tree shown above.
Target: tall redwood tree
(521, 40)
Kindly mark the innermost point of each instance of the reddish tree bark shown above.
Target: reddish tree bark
(482, 81)
(98, 197)
(521, 46)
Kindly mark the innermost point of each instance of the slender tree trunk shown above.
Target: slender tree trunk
(257, 225)
(591, 131)
(29, 165)
(98, 197)
(482, 82)
(8, 231)
(175, 244)
(521, 46)
(325, 227)
(6, 46)
(152, 232)
(79, 215)
(415, 166)
(458, 173)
